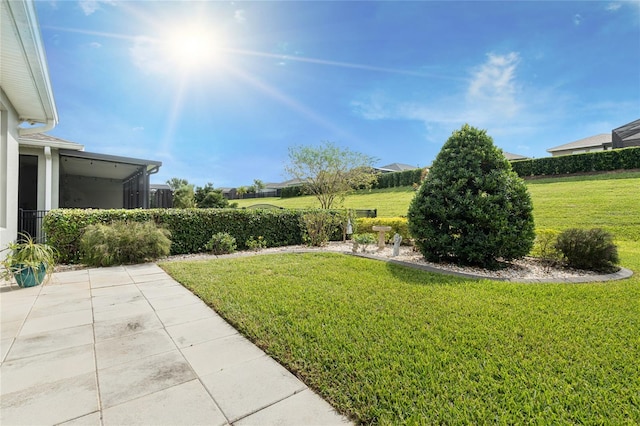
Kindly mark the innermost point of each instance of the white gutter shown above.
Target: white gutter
(50, 124)
(27, 29)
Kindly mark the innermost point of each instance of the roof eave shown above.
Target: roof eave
(32, 63)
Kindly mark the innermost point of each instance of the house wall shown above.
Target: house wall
(44, 184)
(8, 173)
(88, 192)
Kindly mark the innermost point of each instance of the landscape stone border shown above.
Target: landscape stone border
(621, 274)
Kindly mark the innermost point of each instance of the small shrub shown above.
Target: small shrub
(318, 227)
(591, 249)
(362, 241)
(123, 243)
(255, 244)
(221, 243)
(545, 246)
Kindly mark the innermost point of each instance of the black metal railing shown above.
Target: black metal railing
(30, 223)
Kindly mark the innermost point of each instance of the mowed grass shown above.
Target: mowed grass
(389, 202)
(392, 345)
(610, 201)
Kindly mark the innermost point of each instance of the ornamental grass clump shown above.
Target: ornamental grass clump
(123, 243)
(591, 249)
(472, 208)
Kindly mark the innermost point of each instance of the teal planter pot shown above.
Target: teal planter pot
(25, 277)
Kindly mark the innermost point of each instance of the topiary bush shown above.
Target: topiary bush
(123, 243)
(472, 208)
(221, 243)
(591, 249)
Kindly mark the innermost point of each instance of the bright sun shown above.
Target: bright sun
(192, 47)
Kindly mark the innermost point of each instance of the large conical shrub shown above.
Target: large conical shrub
(472, 208)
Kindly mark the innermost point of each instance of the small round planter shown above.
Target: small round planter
(25, 276)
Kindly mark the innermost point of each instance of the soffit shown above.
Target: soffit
(24, 75)
(88, 164)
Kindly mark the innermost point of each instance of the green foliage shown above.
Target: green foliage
(208, 197)
(190, 229)
(398, 225)
(256, 243)
(544, 246)
(123, 243)
(27, 255)
(617, 159)
(221, 243)
(319, 226)
(292, 191)
(362, 241)
(591, 249)
(329, 172)
(184, 197)
(472, 208)
(389, 345)
(396, 179)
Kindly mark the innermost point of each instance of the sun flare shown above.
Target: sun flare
(192, 47)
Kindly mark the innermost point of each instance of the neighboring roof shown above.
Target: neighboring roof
(161, 186)
(90, 164)
(591, 142)
(24, 75)
(630, 131)
(509, 156)
(291, 182)
(42, 139)
(396, 167)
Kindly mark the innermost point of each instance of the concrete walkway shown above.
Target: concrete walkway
(129, 345)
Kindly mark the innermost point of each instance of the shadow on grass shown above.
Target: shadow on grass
(420, 276)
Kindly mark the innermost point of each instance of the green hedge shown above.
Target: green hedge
(617, 159)
(292, 191)
(190, 229)
(395, 179)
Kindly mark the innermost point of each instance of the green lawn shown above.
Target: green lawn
(392, 345)
(555, 201)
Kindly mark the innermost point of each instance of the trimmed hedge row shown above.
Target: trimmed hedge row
(395, 179)
(190, 229)
(292, 191)
(617, 159)
(385, 180)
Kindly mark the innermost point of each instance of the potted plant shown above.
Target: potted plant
(28, 262)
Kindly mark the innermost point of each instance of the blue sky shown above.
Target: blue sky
(218, 91)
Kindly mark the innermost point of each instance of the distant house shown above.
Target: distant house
(627, 135)
(601, 142)
(395, 167)
(512, 157)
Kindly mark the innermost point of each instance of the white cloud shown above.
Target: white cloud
(612, 7)
(95, 45)
(577, 19)
(90, 6)
(138, 129)
(240, 16)
(147, 56)
(491, 98)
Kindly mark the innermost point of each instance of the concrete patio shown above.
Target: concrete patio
(129, 345)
